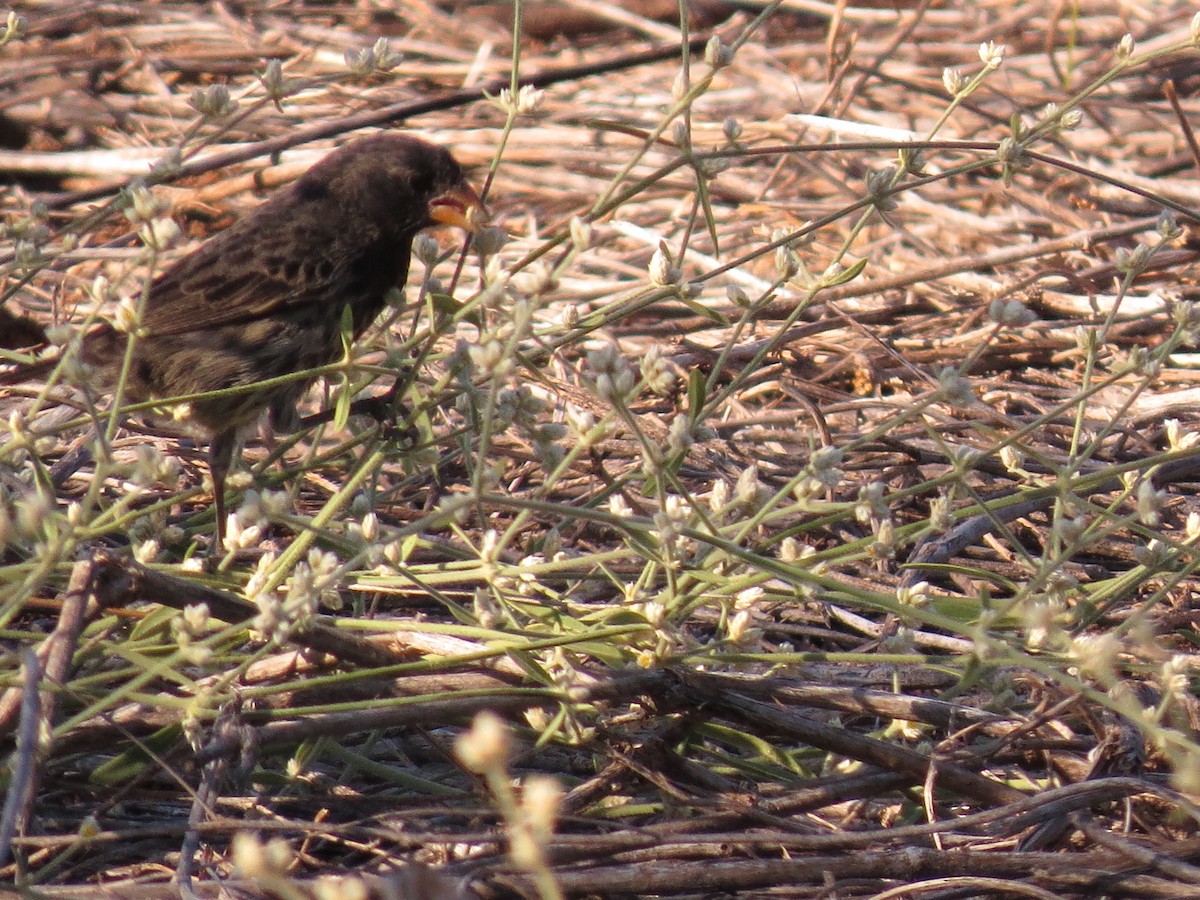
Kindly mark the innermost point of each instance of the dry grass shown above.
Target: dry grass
(819, 517)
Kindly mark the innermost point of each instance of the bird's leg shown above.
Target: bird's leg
(388, 409)
(220, 456)
(384, 408)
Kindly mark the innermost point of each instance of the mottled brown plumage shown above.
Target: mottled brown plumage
(265, 298)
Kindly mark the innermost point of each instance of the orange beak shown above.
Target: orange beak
(460, 206)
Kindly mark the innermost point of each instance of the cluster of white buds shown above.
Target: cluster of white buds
(583, 426)
(187, 628)
(245, 525)
(156, 229)
(489, 360)
(1096, 655)
(749, 492)
(614, 379)
(213, 102)
(524, 101)
(1186, 315)
(1177, 437)
(1132, 262)
(680, 434)
(915, 595)
(269, 862)
(1010, 313)
(657, 371)
(824, 466)
(955, 388)
(1058, 120)
(375, 60)
(872, 505)
(154, 467)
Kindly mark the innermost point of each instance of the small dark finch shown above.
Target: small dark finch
(266, 297)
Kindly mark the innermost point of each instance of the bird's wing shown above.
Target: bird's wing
(239, 276)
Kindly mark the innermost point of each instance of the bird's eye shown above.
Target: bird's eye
(422, 184)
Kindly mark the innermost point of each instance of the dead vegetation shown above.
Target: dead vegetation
(803, 493)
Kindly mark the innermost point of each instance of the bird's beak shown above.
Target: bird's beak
(460, 206)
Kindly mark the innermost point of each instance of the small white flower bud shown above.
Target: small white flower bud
(126, 318)
(1013, 459)
(619, 506)
(1167, 227)
(140, 204)
(787, 262)
(1087, 339)
(738, 626)
(17, 428)
(1192, 527)
(425, 249)
(581, 233)
(717, 54)
(541, 800)
(489, 240)
(275, 84)
(1150, 503)
(992, 54)
(662, 267)
(680, 132)
(529, 98)
(747, 489)
(370, 528)
(679, 86)
(953, 81)
(485, 747)
(158, 234)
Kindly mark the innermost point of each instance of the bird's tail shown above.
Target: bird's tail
(98, 347)
(19, 373)
(22, 333)
(18, 332)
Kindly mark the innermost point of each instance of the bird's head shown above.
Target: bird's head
(408, 182)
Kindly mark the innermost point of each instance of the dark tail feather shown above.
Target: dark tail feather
(99, 347)
(21, 333)
(18, 332)
(19, 374)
